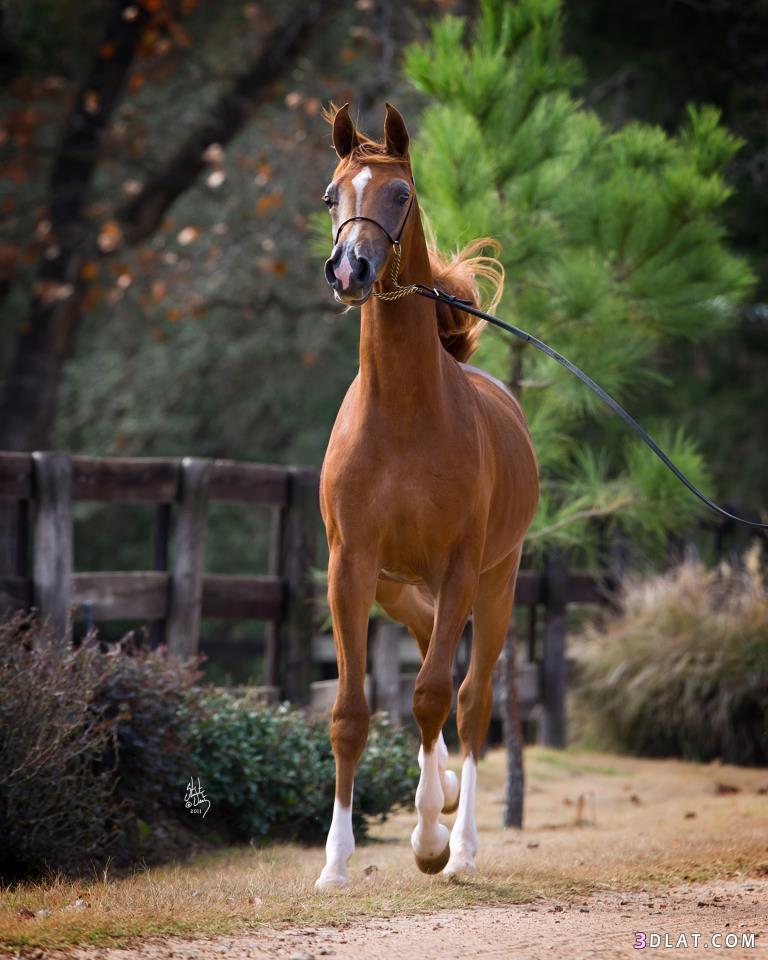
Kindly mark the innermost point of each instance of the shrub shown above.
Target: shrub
(683, 670)
(99, 767)
(270, 772)
(93, 770)
(56, 793)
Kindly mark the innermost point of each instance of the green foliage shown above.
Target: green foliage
(270, 772)
(706, 696)
(611, 243)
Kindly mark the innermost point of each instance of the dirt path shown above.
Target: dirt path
(598, 928)
(612, 845)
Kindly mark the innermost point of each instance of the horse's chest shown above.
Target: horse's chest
(416, 492)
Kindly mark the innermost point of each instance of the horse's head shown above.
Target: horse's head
(369, 198)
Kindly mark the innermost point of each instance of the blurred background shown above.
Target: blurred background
(162, 238)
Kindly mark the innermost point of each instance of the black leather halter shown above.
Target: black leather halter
(393, 240)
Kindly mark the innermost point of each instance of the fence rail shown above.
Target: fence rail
(175, 596)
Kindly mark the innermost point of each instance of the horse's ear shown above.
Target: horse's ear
(396, 136)
(345, 137)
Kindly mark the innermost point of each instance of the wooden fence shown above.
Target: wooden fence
(177, 593)
(174, 595)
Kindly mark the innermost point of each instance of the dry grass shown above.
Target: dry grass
(683, 670)
(630, 830)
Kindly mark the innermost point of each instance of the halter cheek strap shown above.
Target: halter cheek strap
(393, 240)
(397, 290)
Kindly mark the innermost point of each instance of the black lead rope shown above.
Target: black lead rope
(467, 307)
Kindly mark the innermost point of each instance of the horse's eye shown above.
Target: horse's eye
(328, 201)
(403, 198)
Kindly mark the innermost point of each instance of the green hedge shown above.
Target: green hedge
(270, 772)
(97, 747)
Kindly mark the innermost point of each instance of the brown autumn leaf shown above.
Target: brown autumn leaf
(270, 201)
(723, 789)
(110, 237)
(92, 298)
(9, 257)
(107, 51)
(15, 171)
(347, 55)
(89, 270)
(157, 290)
(159, 335)
(91, 101)
(179, 34)
(173, 314)
(309, 358)
(279, 268)
(51, 291)
(136, 82)
(187, 235)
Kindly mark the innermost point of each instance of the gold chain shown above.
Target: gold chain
(399, 291)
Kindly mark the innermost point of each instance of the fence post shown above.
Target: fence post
(385, 667)
(553, 678)
(186, 581)
(513, 731)
(53, 550)
(298, 542)
(270, 674)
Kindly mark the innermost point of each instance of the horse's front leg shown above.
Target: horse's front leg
(431, 706)
(351, 588)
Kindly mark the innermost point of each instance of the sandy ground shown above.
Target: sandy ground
(603, 927)
(611, 846)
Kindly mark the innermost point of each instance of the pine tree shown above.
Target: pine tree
(612, 248)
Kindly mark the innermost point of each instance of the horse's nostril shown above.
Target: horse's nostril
(330, 275)
(363, 270)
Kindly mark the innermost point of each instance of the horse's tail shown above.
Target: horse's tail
(469, 275)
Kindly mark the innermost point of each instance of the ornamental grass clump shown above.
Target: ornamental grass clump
(683, 670)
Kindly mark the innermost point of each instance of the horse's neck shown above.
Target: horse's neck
(400, 351)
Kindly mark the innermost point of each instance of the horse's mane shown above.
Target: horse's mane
(468, 274)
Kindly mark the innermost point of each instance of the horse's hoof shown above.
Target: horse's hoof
(433, 864)
(331, 881)
(451, 792)
(460, 866)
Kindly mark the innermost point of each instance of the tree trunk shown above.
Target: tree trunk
(28, 408)
(29, 403)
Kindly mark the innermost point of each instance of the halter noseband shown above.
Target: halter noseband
(398, 291)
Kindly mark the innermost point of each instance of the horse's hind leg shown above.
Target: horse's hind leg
(491, 613)
(431, 705)
(351, 587)
(414, 608)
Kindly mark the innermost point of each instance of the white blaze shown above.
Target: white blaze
(359, 182)
(344, 270)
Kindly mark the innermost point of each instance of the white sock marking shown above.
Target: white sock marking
(464, 840)
(429, 836)
(338, 848)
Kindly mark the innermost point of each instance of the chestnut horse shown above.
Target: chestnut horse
(427, 490)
